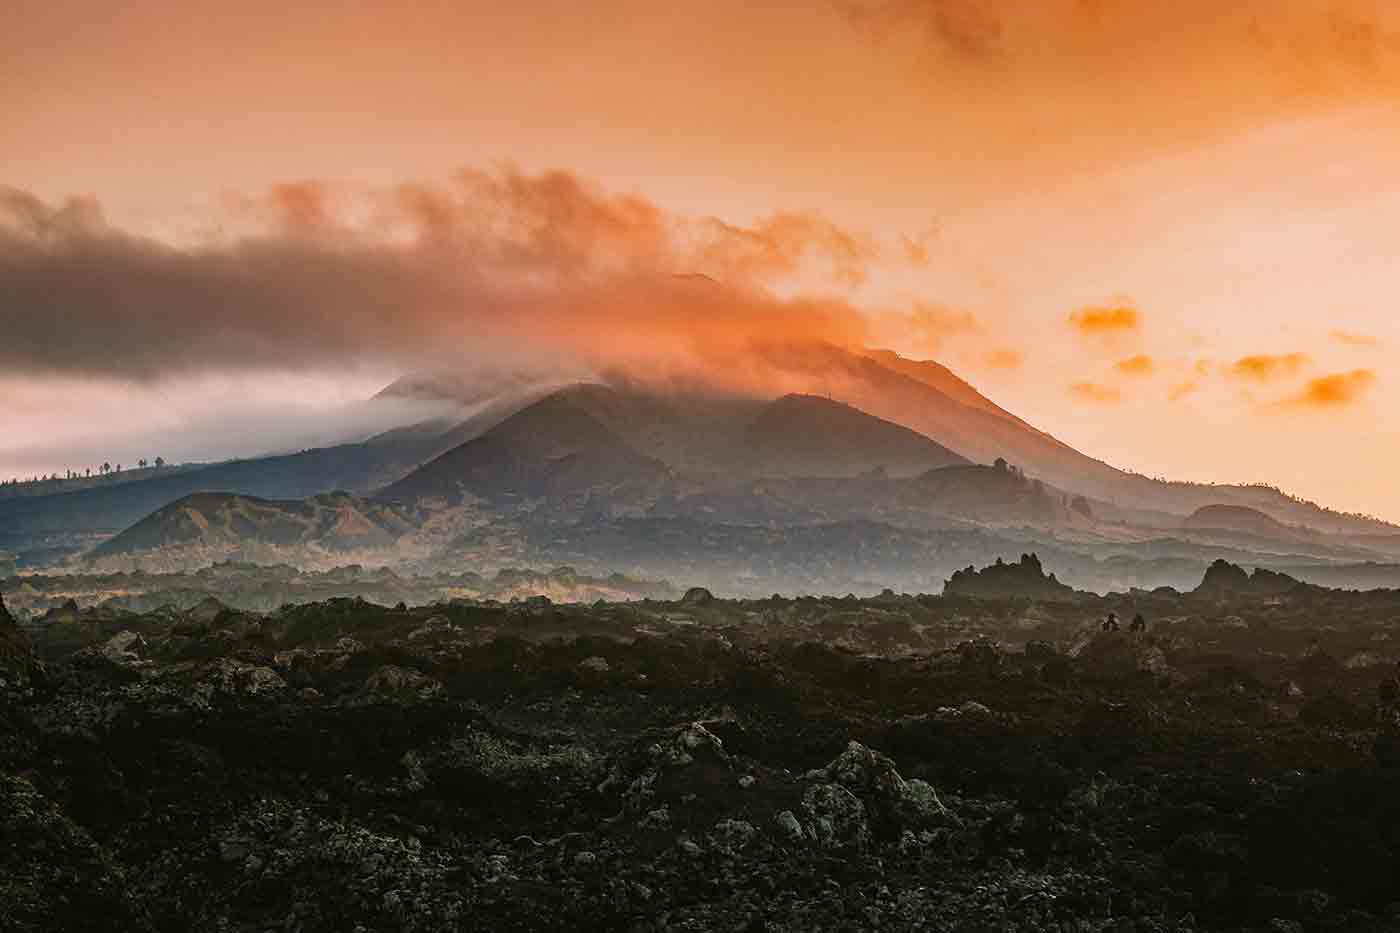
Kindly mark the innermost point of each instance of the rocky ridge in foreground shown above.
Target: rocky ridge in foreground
(699, 764)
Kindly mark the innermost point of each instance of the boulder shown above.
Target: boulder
(836, 817)
(873, 777)
(393, 684)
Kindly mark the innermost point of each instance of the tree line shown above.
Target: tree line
(106, 468)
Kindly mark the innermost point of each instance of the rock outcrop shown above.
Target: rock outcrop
(1026, 578)
(18, 666)
(1224, 579)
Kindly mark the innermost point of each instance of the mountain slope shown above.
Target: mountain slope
(804, 435)
(354, 467)
(930, 400)
(552, 449)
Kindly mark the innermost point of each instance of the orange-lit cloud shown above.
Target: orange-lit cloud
(1353, 339)
(1182, 390)
(1105, 320)
(1265, 367)
(1139, 365)
(1335, 389)
(925, 327)
(320, 277)
(1003, 358)
(1096, 393)
(1198, 68)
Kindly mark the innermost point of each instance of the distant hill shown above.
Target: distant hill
(805, 435)
(332, 521)
(991, 494)
(357, 468)
(1242, 519)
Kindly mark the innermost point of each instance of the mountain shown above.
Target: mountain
(865, 451)
(805, 435)
(552, 450)
(929, 399)
(331, 522)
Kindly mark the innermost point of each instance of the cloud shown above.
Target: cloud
(1140, 365)
(970, 29)
(1003, 358)
(1182, 390)
(1266, 367)
(1335, 390)
(424, 273)
(1353, 339)
(1095, 393)
(1105, 320)
(924, 327)
(1043, 80)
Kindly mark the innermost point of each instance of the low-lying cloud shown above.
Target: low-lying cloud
(311, 276)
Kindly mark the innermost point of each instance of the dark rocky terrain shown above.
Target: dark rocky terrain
(896, 762)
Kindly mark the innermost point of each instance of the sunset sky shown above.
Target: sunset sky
(1165, 232)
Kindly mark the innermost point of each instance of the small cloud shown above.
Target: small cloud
(1336, 389)
(1105, 320)
(1096, 393)
(1353, 339)
(1003, 358)
(1264, 367)
(1181, 390)
(927, 326)
(1140, 365)
(915, 252)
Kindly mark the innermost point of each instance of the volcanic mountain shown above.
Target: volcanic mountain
(868, 438)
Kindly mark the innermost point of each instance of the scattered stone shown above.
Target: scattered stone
(837, 816)
(790, 827)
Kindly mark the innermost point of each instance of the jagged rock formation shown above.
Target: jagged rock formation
(1224, 579)
(1026, 578)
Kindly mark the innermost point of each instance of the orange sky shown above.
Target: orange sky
(1224, 171)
